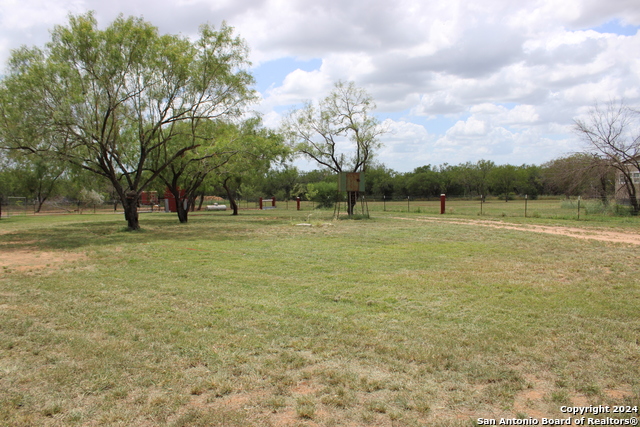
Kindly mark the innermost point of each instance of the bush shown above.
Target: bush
(325, 194)
(569, 204)
(622, 210)
(90, 198)
(596, 207)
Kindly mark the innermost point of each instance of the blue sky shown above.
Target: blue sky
(454, 81)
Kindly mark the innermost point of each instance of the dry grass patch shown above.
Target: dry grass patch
(29, 260)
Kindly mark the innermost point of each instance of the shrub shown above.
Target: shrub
(595, 206)
(325, 194)
(90, 197)
(622, 210)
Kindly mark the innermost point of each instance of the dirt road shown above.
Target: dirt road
(579, 233)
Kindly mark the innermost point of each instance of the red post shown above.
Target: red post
(260, 203)
(298, 202)
(273, 201)
(443, 197)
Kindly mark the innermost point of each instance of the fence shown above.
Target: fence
(12, 206)
(544, 207)
(493, 207)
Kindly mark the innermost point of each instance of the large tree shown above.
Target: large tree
(39, 177)
(613, 132)
(578, 174)
(186, 175)
(504, 179)
(228, 150)
(255, 149)
(380, 181)
(423, 182)
(107, 100)
(338, 133)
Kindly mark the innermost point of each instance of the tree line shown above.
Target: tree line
(578, 174)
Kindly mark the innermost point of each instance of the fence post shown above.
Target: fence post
(407, 204)
(443, 199)
(578, 208)
(526, 199)
(298, 203)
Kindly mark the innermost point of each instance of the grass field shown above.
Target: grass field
(257, 321)
(543, 208)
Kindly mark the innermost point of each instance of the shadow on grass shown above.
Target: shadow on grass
(74, 235)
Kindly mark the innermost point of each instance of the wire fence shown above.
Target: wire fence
(544, 207)
(494, 207)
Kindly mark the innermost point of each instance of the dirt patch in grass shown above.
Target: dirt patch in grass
(619, 394)
(25, 260)
(541, 397)
(534, 400)
(579, 233)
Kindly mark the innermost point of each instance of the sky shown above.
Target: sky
(454, 81)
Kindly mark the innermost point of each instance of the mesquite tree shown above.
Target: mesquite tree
(256, 149)
(225, 151)
(338, 133)
(108, 100)
(613, 132)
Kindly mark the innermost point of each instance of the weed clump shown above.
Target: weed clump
(305, 407)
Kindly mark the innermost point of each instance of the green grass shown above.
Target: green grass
(544, 208)
(253, 320)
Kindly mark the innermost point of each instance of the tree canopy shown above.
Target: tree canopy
(338, 133)
(318, 131)
(612, 132)
(108, 100)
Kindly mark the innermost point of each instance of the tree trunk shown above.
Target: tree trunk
(352, 201)
(232, 202)
(634, 204)
(201, 202)
(183, 214)
(174, 189)
(38, 206)
(39, 202)
(633, 196)
(603, 191)
(130, 206)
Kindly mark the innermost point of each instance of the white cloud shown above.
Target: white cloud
(299, 86)
(498, 114)
(465, 130)
(406, 145)
(509, 77)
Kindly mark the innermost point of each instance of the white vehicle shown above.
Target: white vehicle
(216, 207)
